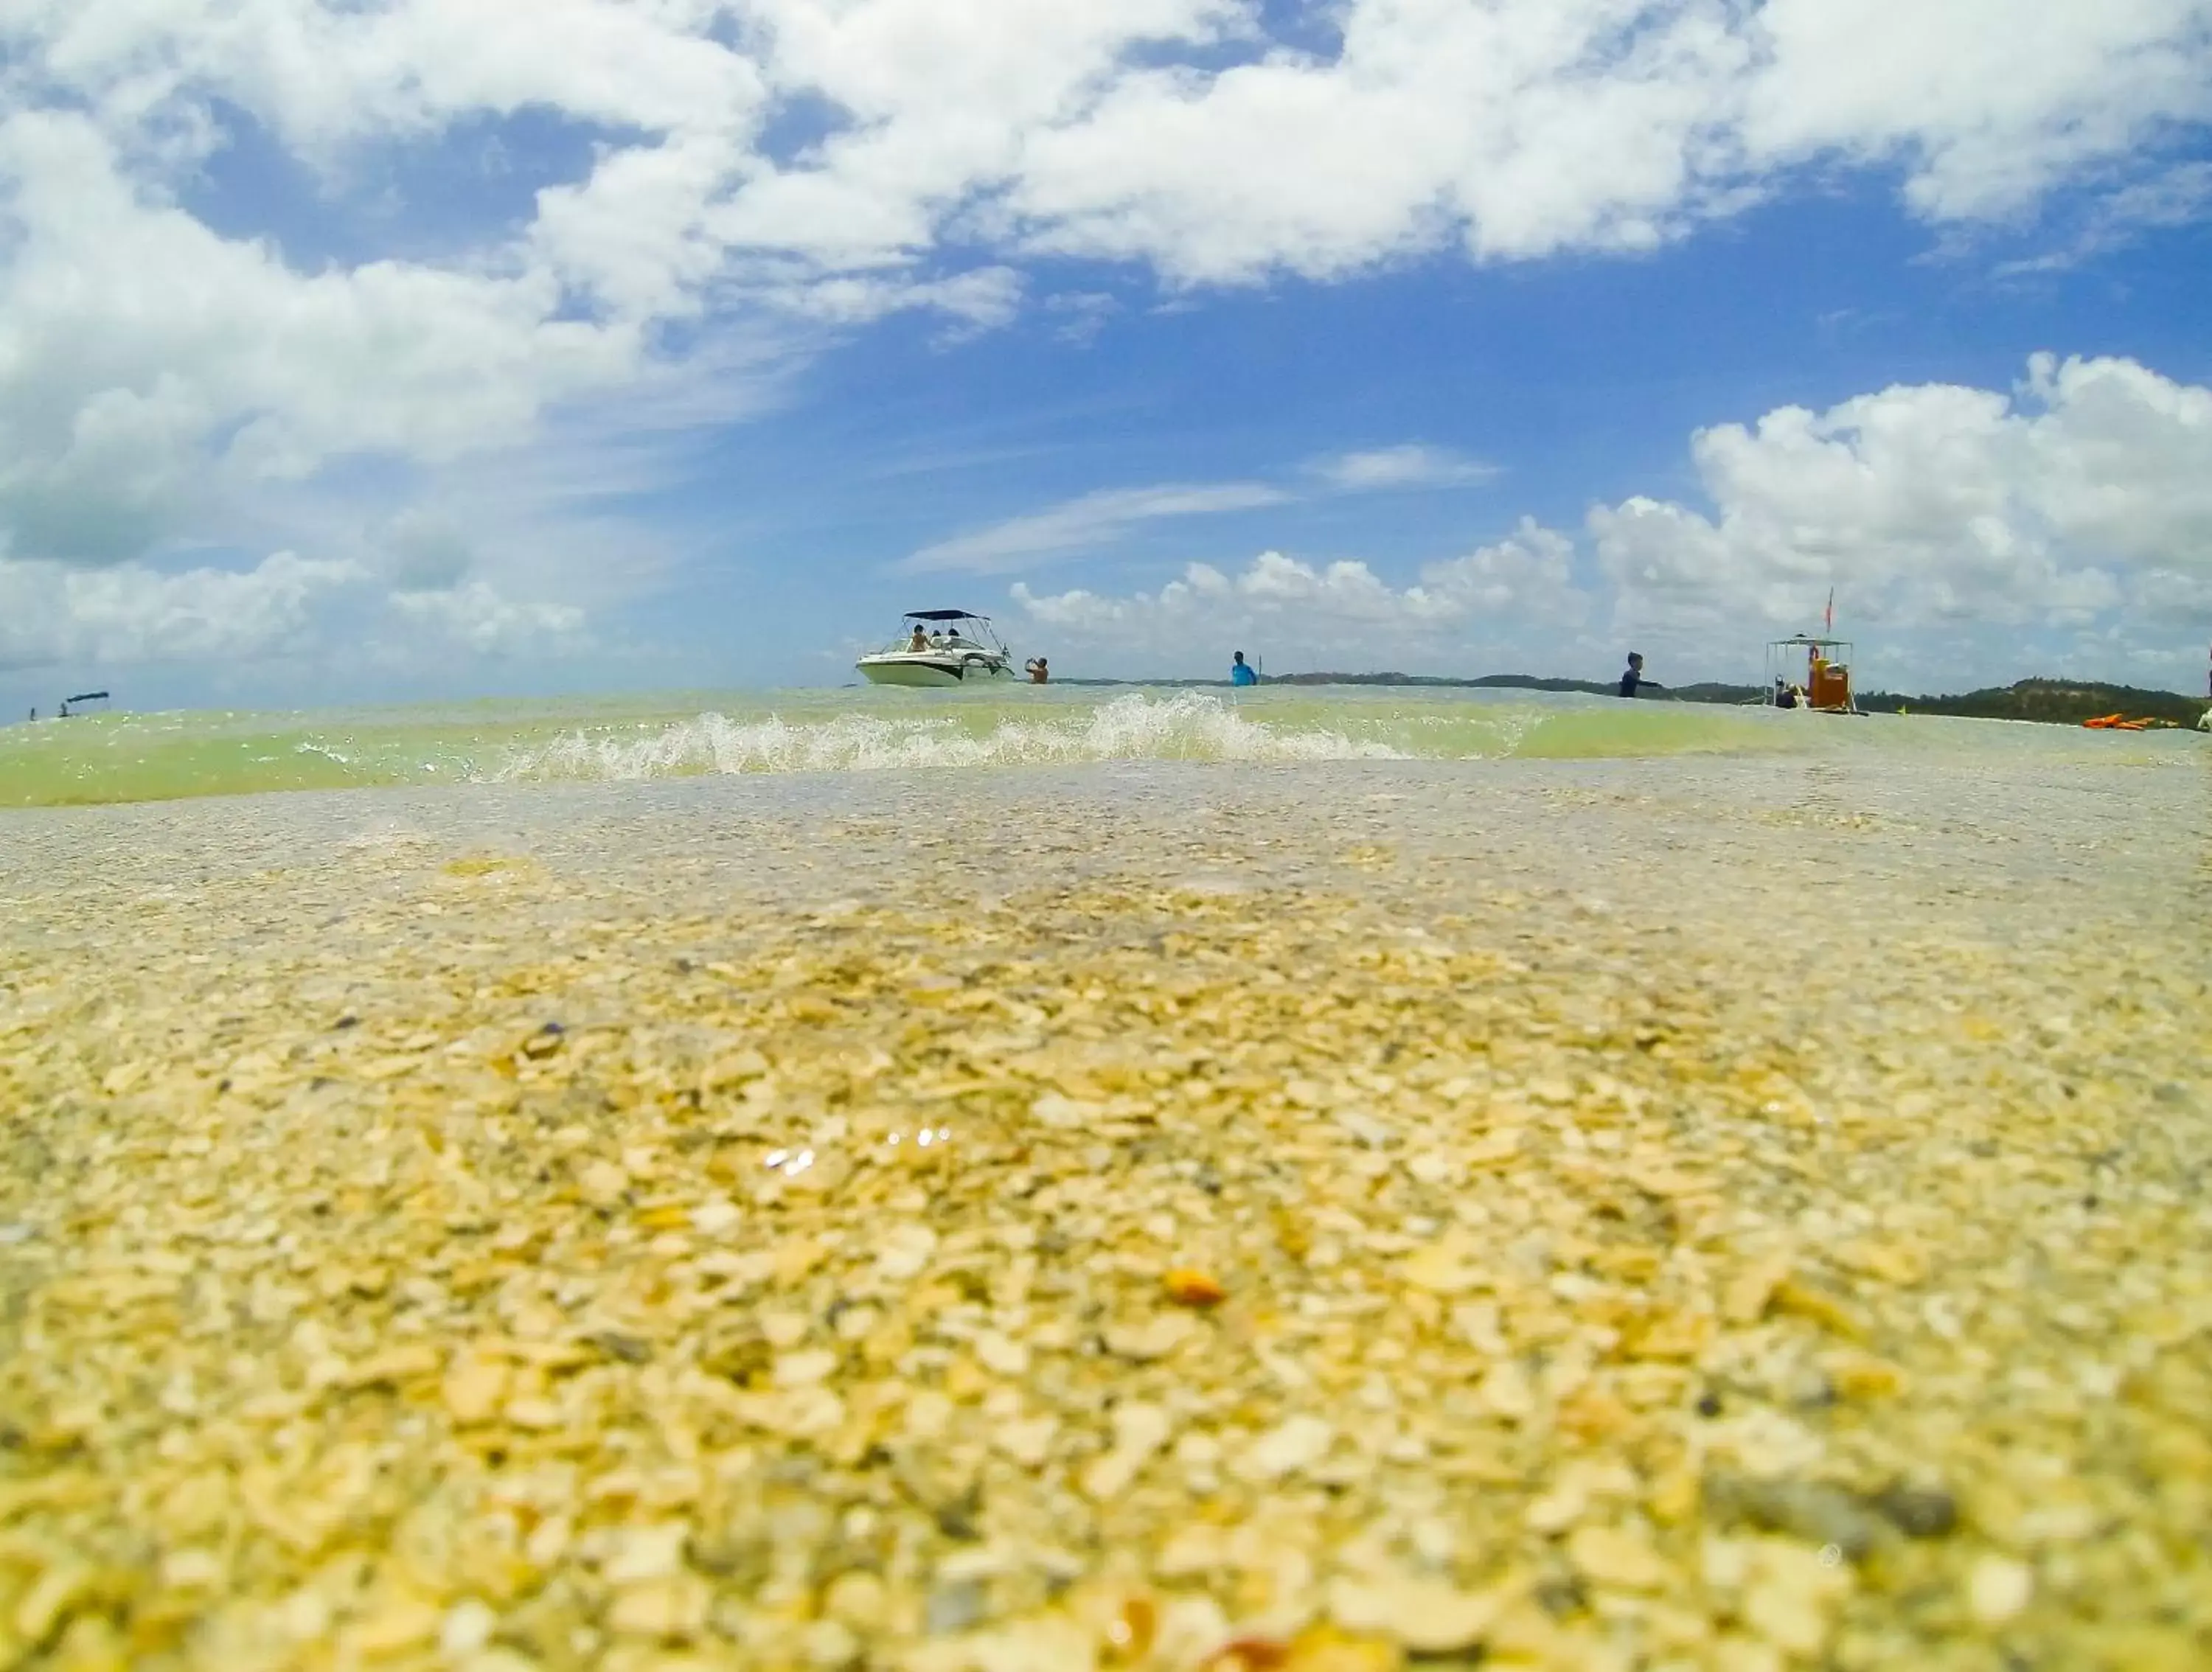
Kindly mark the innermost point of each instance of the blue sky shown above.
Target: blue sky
(405, 350)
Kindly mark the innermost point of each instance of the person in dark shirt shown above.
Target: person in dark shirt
(1634, 677)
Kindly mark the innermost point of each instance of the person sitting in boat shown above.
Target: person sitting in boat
(1240, 672)
(1634, 676)
(1038, 672)
(920, 641)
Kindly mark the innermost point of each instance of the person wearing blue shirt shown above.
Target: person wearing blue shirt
(1240, 672)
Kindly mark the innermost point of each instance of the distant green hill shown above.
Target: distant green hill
(1487, 681)
(2052, 702)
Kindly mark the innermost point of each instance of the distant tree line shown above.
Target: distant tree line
(2052, 702)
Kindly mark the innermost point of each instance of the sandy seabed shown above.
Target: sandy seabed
(1662, 1214)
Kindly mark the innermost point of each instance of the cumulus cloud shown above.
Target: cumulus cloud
(1174, 133)
(286, 608)
(55, 615)
(147, 364)
(476, 617)
(2042, 505)
(2075, 509)
(1986, 105)
(161, 379)
(1339, 615)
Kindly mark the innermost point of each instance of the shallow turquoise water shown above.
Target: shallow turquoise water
(156, 756)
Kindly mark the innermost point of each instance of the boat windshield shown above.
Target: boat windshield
(944, 631)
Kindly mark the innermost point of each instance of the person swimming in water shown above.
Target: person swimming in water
(1038, 672)
(1240, 672)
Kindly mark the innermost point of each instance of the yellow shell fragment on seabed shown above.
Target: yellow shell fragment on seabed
(1000, 1254)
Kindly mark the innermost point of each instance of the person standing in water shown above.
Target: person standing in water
(1038, 672)
(1634, 677)
(1240, 672)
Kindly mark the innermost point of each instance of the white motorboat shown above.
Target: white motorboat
(939, 648)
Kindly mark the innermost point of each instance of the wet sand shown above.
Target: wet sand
(1635, 1214)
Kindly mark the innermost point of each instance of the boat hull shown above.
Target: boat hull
(939, 671)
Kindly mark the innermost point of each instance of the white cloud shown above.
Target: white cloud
(1986, 103)
(475, 617)
(1410, 465)
(161, 381)
(1526, 580)
(1084, 314)
(1971, 526)
(982, 298)
(1097, 520)
(1340, 616)
(1528, 126)
(1932, 503)
(72, 619)
(2179, 197)
(1085, 524)
(147, 366)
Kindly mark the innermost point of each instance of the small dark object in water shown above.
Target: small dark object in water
(957, 1518)
(1811, 1510)
(1709, 1403)
(1815, 1392)
(1560, 1594)
(630, 1349)
(347, 1022)
(1921, 1512)
(953, 1608)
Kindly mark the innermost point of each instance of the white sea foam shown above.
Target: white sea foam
(1188, 726)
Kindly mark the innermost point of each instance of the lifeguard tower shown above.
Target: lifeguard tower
(1806, 672)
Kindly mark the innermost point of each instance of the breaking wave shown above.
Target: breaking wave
(158, 757)
(1188, 726)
